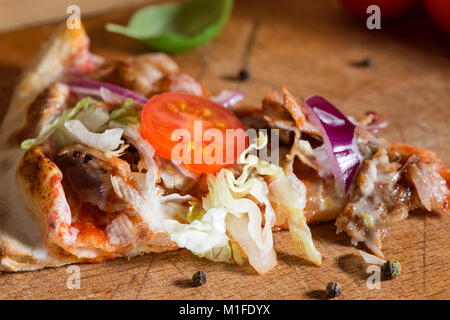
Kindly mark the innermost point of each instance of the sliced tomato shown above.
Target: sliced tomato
(179, 127)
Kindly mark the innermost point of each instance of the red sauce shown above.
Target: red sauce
(90, 234)
(91, 223)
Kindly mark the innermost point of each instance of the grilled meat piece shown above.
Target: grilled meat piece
(138, 73)
(88, 172)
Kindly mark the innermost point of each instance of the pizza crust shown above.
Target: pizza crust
(35, 218)
(22, 231)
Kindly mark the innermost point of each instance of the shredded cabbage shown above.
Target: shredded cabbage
(288, 194)
(202, 235)
(260, 184)
(261, 260)
(196, 212)
(222, 254)
(225, 191)
(94, 119)
(205, 235)
(83, 124)
(231, 253)
(125, 114)
(108, 141)
(48, 130)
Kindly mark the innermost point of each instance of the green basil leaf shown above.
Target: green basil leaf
(176, 27)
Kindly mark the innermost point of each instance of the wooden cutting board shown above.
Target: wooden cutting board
(307, 46)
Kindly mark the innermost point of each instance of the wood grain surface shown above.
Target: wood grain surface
(307, 46)
(25, 13)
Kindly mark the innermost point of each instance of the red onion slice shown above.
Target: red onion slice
(92, 87)
(227, 98)
(338, 135)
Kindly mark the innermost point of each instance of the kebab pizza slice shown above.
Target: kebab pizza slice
(87, 173)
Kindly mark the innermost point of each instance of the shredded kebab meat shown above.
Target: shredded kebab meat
(148, 75)
(392, 180)
(88, 171)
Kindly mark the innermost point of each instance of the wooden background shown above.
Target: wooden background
(25, 13)
(307, 46)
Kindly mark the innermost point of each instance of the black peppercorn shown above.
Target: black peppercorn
(391, 269)
(365, 63)
(244, 74)
(199, 278)
(334, 289)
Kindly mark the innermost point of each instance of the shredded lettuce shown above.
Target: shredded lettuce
(49, 129)
(205, 235)
(202, 235)
(260, 185)
(125, 114)
(226, 191)
(288, 194)
(117, 152)
(263, 183)
(196, 212)
(238, 256)
(94, 119)
(231, 253)
(108, 141)
(84, 122)
(230, 193)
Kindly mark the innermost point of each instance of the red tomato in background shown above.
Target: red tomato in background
(389, 8)
(440, 12)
